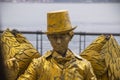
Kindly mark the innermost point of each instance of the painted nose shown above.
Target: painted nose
(59, 41)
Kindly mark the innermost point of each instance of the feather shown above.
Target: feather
(18, 52)
(112, 58)
(107, 51)
(92, 54)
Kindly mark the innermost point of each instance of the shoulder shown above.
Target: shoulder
(79, 57)
(43, 58)
(82, 60)
(47, 54)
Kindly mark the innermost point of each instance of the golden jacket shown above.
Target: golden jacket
(53, 66)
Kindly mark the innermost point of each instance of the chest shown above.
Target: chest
(69, 71)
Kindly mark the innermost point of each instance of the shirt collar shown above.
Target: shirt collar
(61, 59)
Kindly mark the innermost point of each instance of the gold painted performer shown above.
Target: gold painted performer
(60, 63)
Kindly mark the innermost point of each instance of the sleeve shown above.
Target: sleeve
(31, 72)
(89, 73)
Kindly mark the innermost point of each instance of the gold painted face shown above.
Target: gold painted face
(59, 42)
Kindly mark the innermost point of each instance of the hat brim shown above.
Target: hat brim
(61, 32)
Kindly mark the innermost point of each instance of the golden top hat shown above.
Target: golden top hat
(58, 22)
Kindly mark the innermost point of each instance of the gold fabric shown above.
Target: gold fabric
(53, 66)
(18, 52)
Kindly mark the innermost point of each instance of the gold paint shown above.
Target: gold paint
(18, 52)
(59, 63)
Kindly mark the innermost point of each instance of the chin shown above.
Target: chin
(59, 50)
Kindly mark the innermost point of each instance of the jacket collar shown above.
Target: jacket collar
(69, 54)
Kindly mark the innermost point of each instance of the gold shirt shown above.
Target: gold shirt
(53, 66)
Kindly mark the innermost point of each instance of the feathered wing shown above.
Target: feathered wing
(112, 58)
(92, 54)
(18, 52)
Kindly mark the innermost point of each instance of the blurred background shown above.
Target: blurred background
(63, 1)
(90, 16)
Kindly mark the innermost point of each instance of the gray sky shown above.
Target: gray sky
(88, 17)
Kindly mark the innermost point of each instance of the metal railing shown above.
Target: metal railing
(81, 39)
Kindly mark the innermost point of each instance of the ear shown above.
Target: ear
(71, 35)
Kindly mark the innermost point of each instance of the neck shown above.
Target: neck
(62, 53)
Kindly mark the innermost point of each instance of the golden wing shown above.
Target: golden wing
(92, 54)
(18, 53)
(112, 58)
